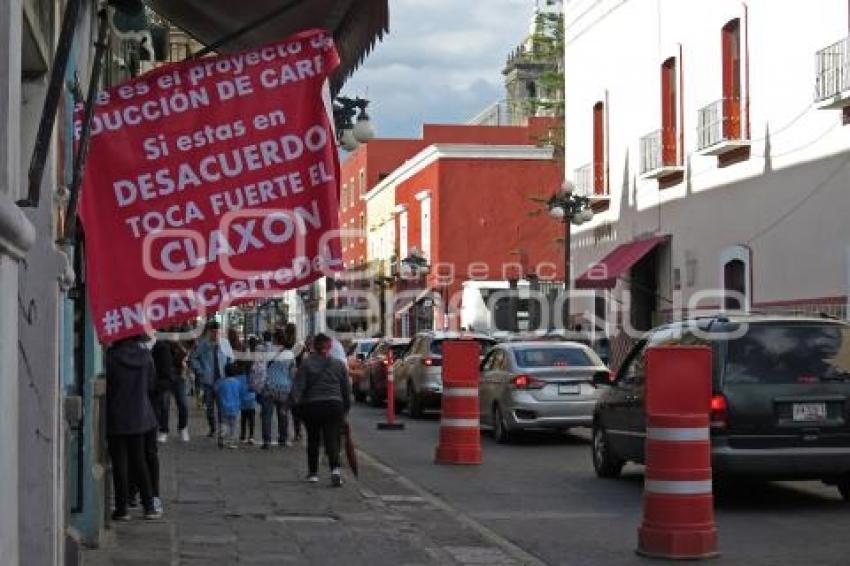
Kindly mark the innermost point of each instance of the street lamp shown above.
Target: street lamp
(569, 208)
(351, 133)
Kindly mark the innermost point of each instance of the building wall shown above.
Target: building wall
(785, 203)
(484, 215)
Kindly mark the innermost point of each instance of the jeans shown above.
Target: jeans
(127, 452)
(228, 429)
(323, 420)
(210, 404)
(246, 425)
(270, 407)
(178, 390)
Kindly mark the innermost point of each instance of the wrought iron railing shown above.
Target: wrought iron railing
(658, 150)
(720, 121)
(832, 70)
(583, 177)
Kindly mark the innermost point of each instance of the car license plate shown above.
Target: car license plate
(808, 412)
(568, 388)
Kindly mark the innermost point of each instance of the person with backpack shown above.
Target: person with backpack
(322, 395)
(280, 373)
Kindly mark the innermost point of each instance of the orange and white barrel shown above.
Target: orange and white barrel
(460, 436)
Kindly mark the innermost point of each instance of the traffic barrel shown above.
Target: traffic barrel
(390, 423)
(678, 504)
(460, 436)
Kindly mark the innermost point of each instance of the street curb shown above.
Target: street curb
(511, 549)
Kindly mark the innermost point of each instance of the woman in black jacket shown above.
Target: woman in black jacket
(130, 378)
(323, 395)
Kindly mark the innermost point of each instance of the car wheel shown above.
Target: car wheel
(605, 463)
(501, 432)
(414, 403)
(843, 486)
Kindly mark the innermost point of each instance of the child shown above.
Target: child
(249, 405)
(229, 395)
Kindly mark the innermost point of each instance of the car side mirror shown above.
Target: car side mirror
(604, 377)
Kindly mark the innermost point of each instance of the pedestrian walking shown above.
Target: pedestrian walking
(229, 392)
(169, 356)
(280, 374)
(130, 379)
(323, 398)
(209, 359)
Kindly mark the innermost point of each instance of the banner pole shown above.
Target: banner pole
(82, 148)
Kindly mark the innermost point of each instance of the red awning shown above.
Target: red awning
(604, 273)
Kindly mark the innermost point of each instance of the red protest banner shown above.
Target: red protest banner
(210, 183)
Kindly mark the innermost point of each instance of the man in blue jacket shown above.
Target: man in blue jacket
(208, 361)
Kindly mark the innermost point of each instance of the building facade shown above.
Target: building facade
(461, 209)
(721, 179)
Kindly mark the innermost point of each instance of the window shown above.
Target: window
(731, 45)
(362, 182)
(551, 357)
(425, 229)
(351, 192)
(734, 283)
(343, 197)
(362, 227)
(599, 176)
(402, 233)
(735, 277)
(669, 113)
(773, 353)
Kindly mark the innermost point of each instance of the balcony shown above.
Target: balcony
(657, 158)
(832, 75)
(584, 180)
(590, 181)
(720, 128)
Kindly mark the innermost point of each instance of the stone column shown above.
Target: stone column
(16, 236)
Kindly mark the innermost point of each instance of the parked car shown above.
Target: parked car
(781, 398)
(373, 382)
(538, 384)
(419, 374)
(357, 353)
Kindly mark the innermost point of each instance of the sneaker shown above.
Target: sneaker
(252, 442)
(184, 434)
(132, 503)
(233, 445)
(312, 478)
(336, 478)
(265, 446)
(152, 515)
(117, 516)
(243, 441)
(157, 505)
(274, 442)
(162, 437)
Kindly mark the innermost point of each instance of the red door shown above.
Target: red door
(669, 128)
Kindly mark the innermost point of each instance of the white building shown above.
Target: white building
(717, 128)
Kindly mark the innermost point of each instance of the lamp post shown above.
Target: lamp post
(350, 132)
(569, 208)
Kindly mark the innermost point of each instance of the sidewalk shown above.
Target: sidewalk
(250, 506)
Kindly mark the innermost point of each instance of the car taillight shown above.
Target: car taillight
(386, 362)
(719, 414)
(430, 362)
(527, 382)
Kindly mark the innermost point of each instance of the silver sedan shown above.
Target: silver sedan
(538, 385)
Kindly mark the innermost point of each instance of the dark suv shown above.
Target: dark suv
(781, 398)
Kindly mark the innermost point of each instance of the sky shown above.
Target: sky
(440, 63)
